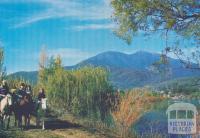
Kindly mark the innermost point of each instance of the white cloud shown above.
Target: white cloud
(94, 27)
(69, 8)
(32, 19)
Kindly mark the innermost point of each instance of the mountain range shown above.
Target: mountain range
(127, 70)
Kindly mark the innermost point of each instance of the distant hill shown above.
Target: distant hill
(30, 76)
(139, 60)
(128, 70)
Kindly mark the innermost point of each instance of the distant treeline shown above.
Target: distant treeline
(187, 86)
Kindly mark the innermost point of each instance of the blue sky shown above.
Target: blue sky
(73, 29)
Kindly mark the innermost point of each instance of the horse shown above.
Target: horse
(5, 109)
(42, 107)
(23, 108)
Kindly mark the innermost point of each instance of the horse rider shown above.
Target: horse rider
(41, 94)
(22, 91)
(4, 89)
(5, 86)
(29, 90)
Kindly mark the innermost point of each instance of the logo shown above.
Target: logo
(182, 118)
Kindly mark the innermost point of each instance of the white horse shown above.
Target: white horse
(43, 107)
(6, 102)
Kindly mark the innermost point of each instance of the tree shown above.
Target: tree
(2, 67)
(43, 59)
(180, 16)
(78, 91)
(131, 107)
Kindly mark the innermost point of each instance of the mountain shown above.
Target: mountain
(139, 60)
(129, 70)
(30, 76)
(134, 70)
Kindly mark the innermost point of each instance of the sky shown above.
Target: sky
(73, 29)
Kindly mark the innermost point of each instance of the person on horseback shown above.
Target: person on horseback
(41, 94)
(22, 91)
(29, 90)
(4, 89)
(23, 105)
(40, 113)
(5, 86)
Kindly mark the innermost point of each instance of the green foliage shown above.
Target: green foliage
(185, 86)
(82, 91)
(15, 82)
(2, 68)
(181, 16)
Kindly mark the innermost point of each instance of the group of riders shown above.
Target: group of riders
(22, 99)
(20, 93)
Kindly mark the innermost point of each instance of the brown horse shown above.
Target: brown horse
(23, 108)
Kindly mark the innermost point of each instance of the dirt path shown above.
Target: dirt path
(58, 129)
(63, 129)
